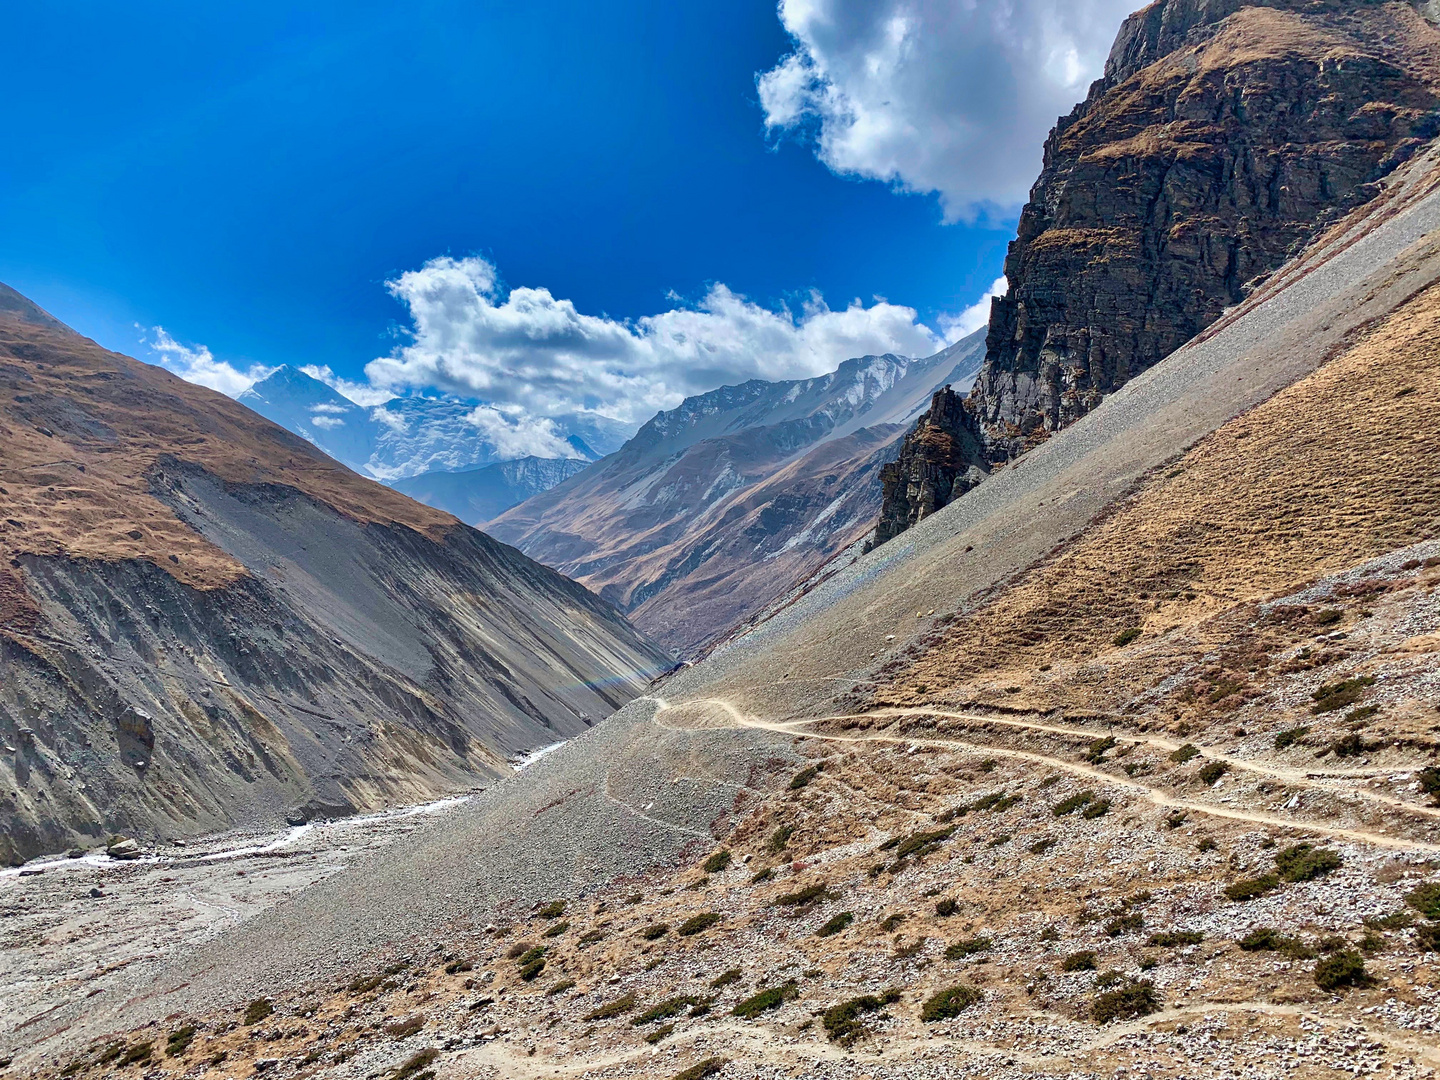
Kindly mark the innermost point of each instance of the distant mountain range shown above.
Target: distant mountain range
(719, 505)
(406, 437)
(477, 495)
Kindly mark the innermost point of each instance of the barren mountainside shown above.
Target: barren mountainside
(1220, 138)
(204, 621)
(719, 505)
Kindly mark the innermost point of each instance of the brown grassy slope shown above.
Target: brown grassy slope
(82, 429)
(1340, 467)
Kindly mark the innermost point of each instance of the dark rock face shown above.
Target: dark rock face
(941, 458)
(1221, 138)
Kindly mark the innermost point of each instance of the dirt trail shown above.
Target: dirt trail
(1155, 795)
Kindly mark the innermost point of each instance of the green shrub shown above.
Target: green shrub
(558, 929)
(256, 1011)
(1125, 637)
(1093, 810)
(780, 837)
(1328, 617)
(1430, 783)
(917, 845)
(811, 894)
(1212, 771)
(1073, 803)
(890, 922)
(655, 930)
(1357, 717)
(1351, 745)
(1304, 862)
(553, 910)
(708, 1067)
(1250, 888)
(803, 777)
(725, 979)
(1173, 939)
(416, 1066)
(403, 1029)
(717, 862)
(529, 971)
(619, 1007)
(967, 947)
(1426, 899)
(455, 967)
(771, 998)
(1098, 749)
(1185, 753)
(1079, 961)
(659, 1033)
(179, 1040)
(1427, 936)
(1125, 924)
(1340, 695)
(835, 925)
(842, 1022)
(698, 923)
(947, 907)
(1400, 920)
(1343, 968)
(1136, 998)
(1041, 846)
(1290, 737)
(590, 937)
(764, 874)
(1268, 939)
(1206, 844)
(999, 841)
(670, 1007)
(139, 1052)
(949, 1003)
(530, 955)
(560, 987)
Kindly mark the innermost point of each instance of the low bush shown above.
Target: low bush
(141, 1051)
(590, 937)
(1136, 998)
(1212, 771)
(1206, 844)
(1097, 749)
(1340, 695)
(700, 1070)
(717, 862)
(1343, 968)
(890, 922)
(1098, 808)
(553, 910)
(670, 1007)
(1268, 939)
(1173, 939)
(947, 907)
(416, 1067)
(1041, 846)
(1079, 961)
(1400, 920)
(1176, 819)
(1305, 862)
(179, 1040)
(655, 930)
(780, 837)
(1426, 899)
(619, 1007)
(949, 1003)
(917, 845)
(1073, 803)
(1290, 736)
(519, 949)
(403, 1029)
(560, 987)
(256, 1011)
(1430, 783)
(770, 998)
(811, 894)
(967, 947)
(842, 1022)
(1351, 745)
(1427, 936)
(725, 979)
(1125, 924)
(530, 955)
(660, 1033)
(558, 929)
(1125, 637)
(836, 924)
(530, 971)
(764, 874)
(1250, 888)
(455, 967)
(697, 924)
(803, 777)
(1185, 753)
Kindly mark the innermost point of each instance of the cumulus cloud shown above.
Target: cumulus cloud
(516, 435)
(528, 353)
(321, 420)
(946, 96)
(972, 318)
(196, 364)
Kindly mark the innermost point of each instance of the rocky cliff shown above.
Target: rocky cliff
(1221, 137)
(206, 622)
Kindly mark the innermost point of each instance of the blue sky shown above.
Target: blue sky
(250, 177)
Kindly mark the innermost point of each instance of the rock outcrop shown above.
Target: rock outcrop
(1222, 136)
(941, 458)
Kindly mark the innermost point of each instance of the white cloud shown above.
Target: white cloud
(973, 317)
(320, 420)
(360, 393)
(517, 435)
(949, 96)
(528, 353)
(196, 364)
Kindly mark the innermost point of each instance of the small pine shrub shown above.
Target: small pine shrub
(137, 1053)
(1173, 939)
(700, 1070)
(1186, 753)
(698, 923)
(1136, 998)
(179, 1040)
(1098, 749)
(416, 1067)
(1079, 961)
(1400, 920)
(659, 1033)
(1427, 936)
(256, 1011)
(1211, 771)
(836, 924)
(1340, 695)
(1125, 637)
(1073, 803)
(529, 971)
(1250, 888)
(560, 987)
(780, 837)
(590, 937)
(1125, 924)
(949, 1003)
(1343, 968)
(1096, 809)
(764, 874)
(1426, 899)
(717, 862)
(803, 777)
(890, 922)
(968, 947)
(771, 998)
(1305, 862)
(1290, 737)
(403, 1029)
(619, 1007)
(558, 929)
(1268, 939)
(670, 1007)
(811, 894)
(1041, 846)
(724, 979)
(553, 910)
(1430, 783)
(655, 930)
(947, 907)
(842, 1022)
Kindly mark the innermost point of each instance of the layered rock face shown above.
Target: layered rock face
(1222, 136)
(941, 459)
